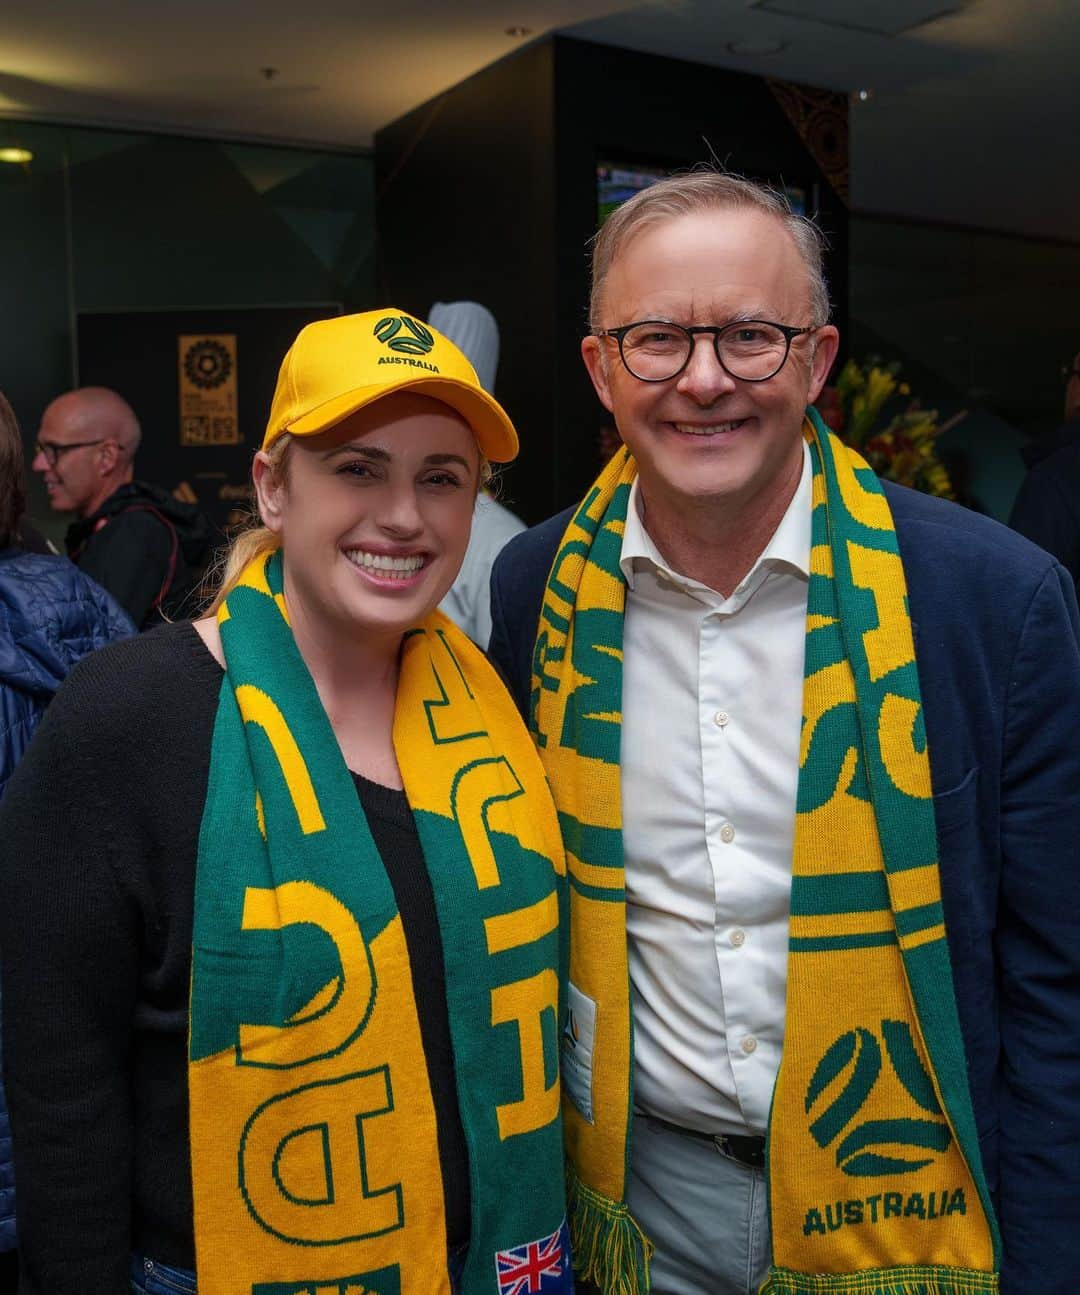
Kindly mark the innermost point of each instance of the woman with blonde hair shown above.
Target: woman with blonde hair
(285, 887)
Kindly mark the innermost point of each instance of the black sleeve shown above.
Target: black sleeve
(130, 558)
(500, 651)
(518, 580)
(69, 937)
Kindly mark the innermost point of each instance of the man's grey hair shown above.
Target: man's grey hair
(706, 190)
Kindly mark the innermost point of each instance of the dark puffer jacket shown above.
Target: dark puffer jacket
(51, 615)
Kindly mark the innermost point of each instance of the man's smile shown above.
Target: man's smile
(708, 429)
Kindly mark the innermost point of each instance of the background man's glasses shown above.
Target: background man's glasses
(1069, 371)
(751, 350)
(54, 450)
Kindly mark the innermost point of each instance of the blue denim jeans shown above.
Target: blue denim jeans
(151, 1278)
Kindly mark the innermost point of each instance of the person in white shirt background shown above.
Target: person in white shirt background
(472, 328)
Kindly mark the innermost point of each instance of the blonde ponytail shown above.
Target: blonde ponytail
(248, 544)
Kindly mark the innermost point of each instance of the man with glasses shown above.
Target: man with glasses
(1047, 509)
(658, 637)
(142, 545)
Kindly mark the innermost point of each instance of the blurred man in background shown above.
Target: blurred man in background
(145, 547)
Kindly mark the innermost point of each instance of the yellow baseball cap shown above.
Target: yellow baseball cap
(337, 366)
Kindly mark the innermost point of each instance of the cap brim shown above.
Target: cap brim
(493, 430)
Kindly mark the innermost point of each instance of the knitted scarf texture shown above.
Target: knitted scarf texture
(313, 1142)
(875, 1182)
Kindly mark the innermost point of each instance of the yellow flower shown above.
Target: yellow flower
(879, 386)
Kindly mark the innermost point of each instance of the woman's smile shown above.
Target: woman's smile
(387, 570)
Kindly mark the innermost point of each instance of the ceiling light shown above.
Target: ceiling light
(519, 32)
(18, 156)
(755, 48)
(863, 95)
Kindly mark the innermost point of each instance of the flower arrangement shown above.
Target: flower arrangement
(898, 441)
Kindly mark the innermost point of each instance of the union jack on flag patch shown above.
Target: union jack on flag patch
(538, 1268)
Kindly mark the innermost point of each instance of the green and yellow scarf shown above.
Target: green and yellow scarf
(875, 1181)
(313, 1140)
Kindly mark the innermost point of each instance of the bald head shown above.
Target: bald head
(96, 411)
(87, 443)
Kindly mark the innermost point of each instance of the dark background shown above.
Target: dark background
(135, 353)
(119, 221)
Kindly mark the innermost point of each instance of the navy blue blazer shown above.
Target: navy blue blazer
(998, 643)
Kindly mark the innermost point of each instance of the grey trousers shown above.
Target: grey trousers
(707, 1214)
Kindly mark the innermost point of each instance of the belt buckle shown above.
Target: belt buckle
(724, 1144)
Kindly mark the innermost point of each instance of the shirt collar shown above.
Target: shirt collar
(787, 550)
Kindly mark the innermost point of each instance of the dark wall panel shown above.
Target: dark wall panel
(136, 354)
(465, 191)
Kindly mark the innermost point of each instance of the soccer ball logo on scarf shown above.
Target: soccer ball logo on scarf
(875, 1146)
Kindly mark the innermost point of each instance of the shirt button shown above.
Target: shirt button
(727, 834)
(720, 719)
(749, 1044)
(738, 939)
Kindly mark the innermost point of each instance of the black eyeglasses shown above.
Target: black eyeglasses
(54, 450)
(751, 350)
(1069, 371)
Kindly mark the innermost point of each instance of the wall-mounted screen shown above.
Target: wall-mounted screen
(796, 196)
(617, 181)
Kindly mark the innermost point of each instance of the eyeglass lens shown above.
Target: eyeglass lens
(52, 451)
(752, 350)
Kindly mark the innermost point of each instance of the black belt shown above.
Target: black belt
(748, 1149)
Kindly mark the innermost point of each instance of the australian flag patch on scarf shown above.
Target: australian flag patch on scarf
(537, 1268)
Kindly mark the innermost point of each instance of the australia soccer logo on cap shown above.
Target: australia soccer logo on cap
(400, 333)
(537, 1268)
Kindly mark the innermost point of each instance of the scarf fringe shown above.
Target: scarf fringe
(909, 1280)
(609, 1248)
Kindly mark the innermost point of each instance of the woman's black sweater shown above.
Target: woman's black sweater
(99, 834)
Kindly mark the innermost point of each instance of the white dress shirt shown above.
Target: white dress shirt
(712, 710)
